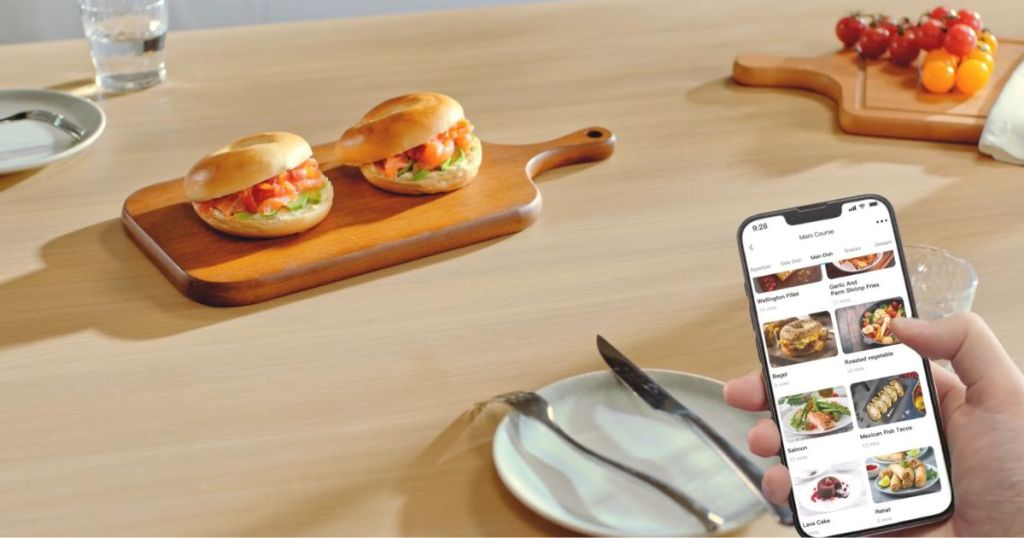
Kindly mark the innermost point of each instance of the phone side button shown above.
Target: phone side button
(771, 405)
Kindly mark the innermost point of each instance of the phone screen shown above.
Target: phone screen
(859, 428)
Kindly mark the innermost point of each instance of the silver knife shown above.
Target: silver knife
(658, 398)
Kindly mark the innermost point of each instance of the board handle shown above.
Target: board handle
(585, 145)
(806, 73)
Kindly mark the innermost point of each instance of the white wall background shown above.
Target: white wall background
(39, 20)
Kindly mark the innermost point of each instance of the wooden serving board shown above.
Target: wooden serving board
(874, 97)
(367, 228)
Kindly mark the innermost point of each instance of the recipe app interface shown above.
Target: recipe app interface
(859, 431)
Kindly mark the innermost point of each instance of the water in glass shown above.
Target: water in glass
(127, 42)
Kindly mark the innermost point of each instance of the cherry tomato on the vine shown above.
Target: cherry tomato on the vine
(970, 18)
(960, 40)
(972, 76)
(989, 39)
(930, 34)
(984, 57)
(942, 12)
(904, 48)
(873, 42)
(938, 77)
(940, 55)
(888, 23)
(849, 29)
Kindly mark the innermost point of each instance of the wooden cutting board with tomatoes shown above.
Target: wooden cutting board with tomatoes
(367, 228)
(935, 78)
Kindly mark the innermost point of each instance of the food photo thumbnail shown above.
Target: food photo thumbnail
(830, 489)
(799, 339)
(867, 326)
(787, 279)
(902, 474)
(814, 414)
(888, 399)
(846, 267)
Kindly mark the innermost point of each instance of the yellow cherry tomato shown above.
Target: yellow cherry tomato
(985, 57)
(940, 55)
(984, 47)
(989, 39)
(938, 76)
(972, 76)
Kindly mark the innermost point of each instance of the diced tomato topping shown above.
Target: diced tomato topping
(431, 154)
(249, 200)
(271, 194)
(309, 184)
(392, 165)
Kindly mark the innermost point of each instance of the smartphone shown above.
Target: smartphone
(856, 408)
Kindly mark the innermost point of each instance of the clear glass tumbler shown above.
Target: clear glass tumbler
(943, 284)
(127, 42)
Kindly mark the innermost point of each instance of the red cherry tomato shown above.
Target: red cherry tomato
(960, 40)
(888, 23)
(464, 140)
(432, 154)
(941, 13)
(930, 34)
(970, 18)
(873, 42)
(849, 29)
(904, 48)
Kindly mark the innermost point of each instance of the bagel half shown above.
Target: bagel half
(405, 145)
(228, 173)
(281, 224)
(454, 177)
(396, 125)
(244, 163)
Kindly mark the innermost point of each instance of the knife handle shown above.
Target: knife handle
(748, 470)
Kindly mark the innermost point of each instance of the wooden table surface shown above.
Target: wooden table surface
(128, 409)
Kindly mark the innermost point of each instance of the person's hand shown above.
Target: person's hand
(982, 408)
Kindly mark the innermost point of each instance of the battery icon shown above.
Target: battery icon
(873, 204)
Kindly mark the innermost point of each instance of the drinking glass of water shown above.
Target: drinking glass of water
(943, 283)
(127, 42)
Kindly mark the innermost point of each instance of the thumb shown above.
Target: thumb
(977, 356)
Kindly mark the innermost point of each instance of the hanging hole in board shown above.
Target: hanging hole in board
(594, 133)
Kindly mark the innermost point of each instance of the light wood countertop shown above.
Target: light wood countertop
(129, 409)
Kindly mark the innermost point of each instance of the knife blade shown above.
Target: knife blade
(658, 398)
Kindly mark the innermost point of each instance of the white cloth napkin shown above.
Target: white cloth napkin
(1003, 136)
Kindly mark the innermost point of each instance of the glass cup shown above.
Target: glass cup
(126, 38)
(943, 284)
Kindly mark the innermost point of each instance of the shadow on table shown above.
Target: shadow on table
(450, 487)
(11, 179)
(86, 88)
(100, 261)
(453, 485)
(745, 102)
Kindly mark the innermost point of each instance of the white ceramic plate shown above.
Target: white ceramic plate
(804, 492)
(29, 144)
(843, 421)
(584, 495)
